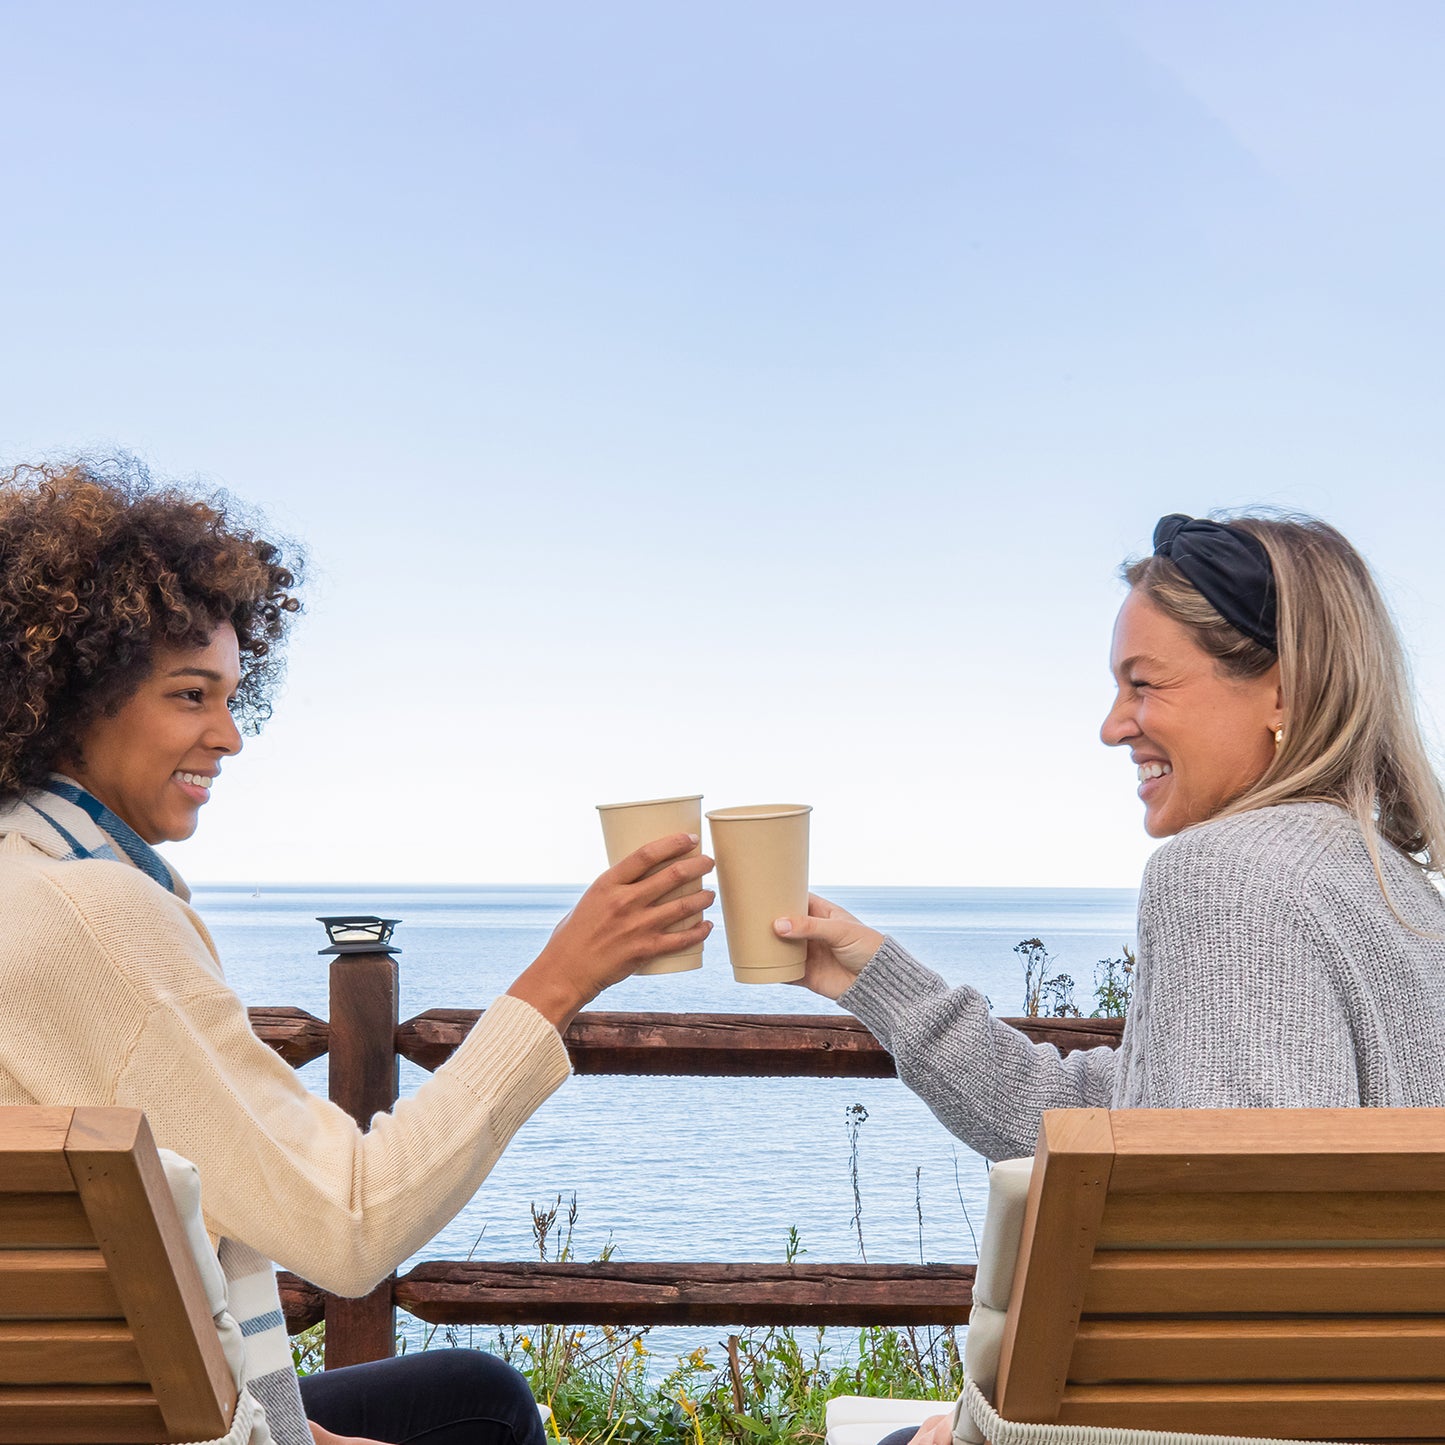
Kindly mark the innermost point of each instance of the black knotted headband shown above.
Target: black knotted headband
(1228, 567)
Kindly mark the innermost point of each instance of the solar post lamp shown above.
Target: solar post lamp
(359, 933)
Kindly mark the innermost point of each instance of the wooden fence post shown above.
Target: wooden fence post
(364, 1079)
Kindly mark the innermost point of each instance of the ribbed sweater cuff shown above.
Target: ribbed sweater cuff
(512, 1060)
(888, 989)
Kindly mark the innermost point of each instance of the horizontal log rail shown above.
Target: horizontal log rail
(812, 1046)
(470, 1292)
(295, 1034)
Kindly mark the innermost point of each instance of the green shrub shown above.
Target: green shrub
(1051, 995)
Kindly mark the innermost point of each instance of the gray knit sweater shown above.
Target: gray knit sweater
(1271, 973)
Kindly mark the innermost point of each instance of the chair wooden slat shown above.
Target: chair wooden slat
(69, 1352)
(112, 1414)
(39, 1221)
(1383, 1348)
(34, 1150)
(1304, 1411)
(1075, 1152)
(1258, 1217)
(1184, 1150)
(120, 1181)
(1302, 1281)
(52, 1284)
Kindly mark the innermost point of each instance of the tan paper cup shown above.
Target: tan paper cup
(627, 826)
(762, 874)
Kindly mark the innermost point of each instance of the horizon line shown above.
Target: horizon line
(347, 886)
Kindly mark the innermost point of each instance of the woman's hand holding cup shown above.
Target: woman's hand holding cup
(617, 925)
(838, 945)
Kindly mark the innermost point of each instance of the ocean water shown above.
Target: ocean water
(689, 1169)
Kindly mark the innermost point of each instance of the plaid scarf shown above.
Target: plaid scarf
(72, 824)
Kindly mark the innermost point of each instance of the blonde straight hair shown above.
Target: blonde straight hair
(1351, 734)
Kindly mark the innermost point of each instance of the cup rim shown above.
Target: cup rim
(756, 812)
(650, 802)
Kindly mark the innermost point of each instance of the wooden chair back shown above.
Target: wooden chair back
(1237, 1271)
(105, 1332)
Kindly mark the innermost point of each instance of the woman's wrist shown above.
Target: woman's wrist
(863, 951)
(549, 985)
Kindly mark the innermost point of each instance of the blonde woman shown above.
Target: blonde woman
(1291, 936)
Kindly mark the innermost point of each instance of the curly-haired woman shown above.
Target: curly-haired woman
(140, 628)
(1291, 936)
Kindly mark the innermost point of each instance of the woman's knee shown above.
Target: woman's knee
(477, 1377)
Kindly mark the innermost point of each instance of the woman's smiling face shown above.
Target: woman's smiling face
(153, 760)
(1199, 736)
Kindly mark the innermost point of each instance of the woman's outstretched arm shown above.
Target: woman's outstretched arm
(115, 996)
(986, 1082)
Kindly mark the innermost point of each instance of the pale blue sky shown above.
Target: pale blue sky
(748, 398)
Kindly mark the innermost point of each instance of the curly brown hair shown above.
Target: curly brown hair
(98, 566)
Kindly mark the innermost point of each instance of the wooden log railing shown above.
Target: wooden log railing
(365, 1041)
(781, 1046)
(452, 1292)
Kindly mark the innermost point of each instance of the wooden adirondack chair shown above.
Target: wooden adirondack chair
(1246, 1272)
(105, 1331)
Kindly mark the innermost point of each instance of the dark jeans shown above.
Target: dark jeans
(437, 1397)
(900, 1437)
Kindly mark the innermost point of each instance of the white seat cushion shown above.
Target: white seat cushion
(184, 1181)
(998, 1250)
(865, 1420)
(983, 1345)
(1003, 1224)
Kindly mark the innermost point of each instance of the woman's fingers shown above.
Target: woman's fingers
(832, 931)
(683, 940)
(835, 932)
(639, 864)
(850, 942)
(661, 867)
(677, 940)
(676, 908)
(683, 873)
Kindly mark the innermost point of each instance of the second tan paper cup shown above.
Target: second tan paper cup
(627, 826)
(762, 874)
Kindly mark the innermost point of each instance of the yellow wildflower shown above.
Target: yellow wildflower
(691, 1409)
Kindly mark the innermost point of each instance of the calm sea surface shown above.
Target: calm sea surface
(689, 1168)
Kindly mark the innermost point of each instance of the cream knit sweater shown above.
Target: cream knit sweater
(111, 993)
